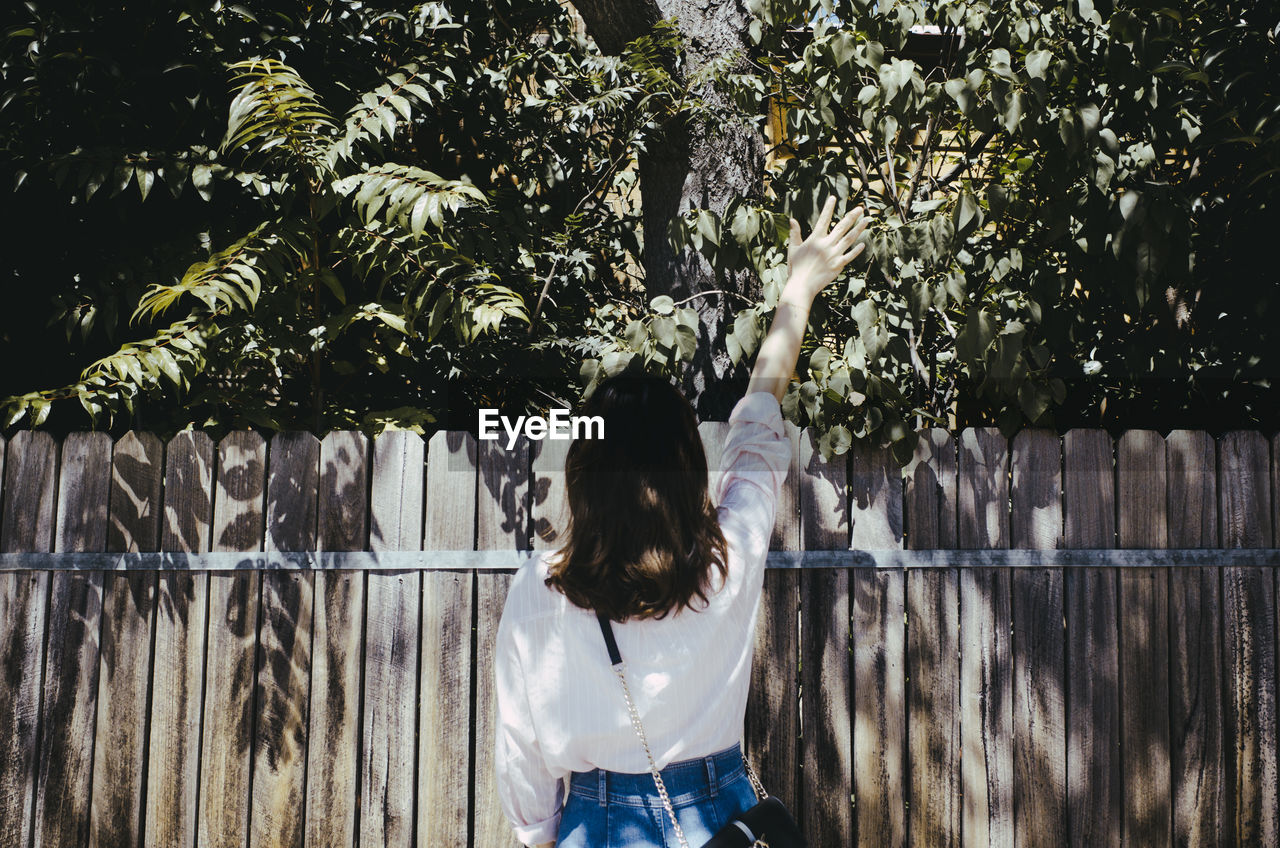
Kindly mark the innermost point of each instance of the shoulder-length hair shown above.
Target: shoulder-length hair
(643, 536)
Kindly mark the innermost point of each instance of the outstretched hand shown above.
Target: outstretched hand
(815, 262)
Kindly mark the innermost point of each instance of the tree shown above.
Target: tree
(706, 164)
(1057, 191)
(1047, 182)
(386, 266)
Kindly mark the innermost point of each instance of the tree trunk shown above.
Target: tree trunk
(692, 170)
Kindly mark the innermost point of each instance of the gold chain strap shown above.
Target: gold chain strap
(621, 670)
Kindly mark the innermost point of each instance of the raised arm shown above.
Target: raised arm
(812, 265)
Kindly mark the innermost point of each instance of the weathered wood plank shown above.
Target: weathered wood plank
(65, 767)
(1249, 607)
(1093, 671)
(549, 505)
(1197, 756)
(933, 671)
(879, 726)
(1038, 646)
(333, 739)
(879, 702)
(773, 705)
(128, 609)
(444, 723)
(177, 679)
(283, 676)
(986, 694)
(445, 729)
(1142, 522)
(825, 676)
(28, 520)
(391, 646)
(226, 741)
(933, 647)
(502, 522)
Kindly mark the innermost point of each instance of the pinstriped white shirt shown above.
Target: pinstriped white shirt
(560, 707)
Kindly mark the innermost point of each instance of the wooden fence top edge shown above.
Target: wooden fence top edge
(511, 560)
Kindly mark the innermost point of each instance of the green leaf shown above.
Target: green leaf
(662, 304)
(967, 212)
(959, 91)
(974, 339)
(840, 439)
(636, 333)
(439, 313)
(686, 342)
(1037, 63)
(39, 411)
(164, 360)
(1034, 399)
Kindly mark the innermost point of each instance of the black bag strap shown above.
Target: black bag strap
(611, 643)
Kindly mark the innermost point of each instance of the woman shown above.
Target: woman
(680, 578)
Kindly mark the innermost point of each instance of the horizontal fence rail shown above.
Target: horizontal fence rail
(514, 560)
(1050, 640)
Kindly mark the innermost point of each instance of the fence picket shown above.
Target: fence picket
(226, 739)
(825, 682)
(29, 478)
(773, 708)
(128, 607)
(879, 696)
(986, 696)
(283, 674)
(1038, 646)
(1142, 486)
(391, 646)
(70, 697)
(933, 647)
(1094, 805)
(1249, 604)
(445, 725)
(178, 673)
(333, 778)
(1197, 756)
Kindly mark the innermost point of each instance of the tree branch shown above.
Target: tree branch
(924, 160)
(969, 155)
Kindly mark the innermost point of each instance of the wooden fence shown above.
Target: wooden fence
(967, 705)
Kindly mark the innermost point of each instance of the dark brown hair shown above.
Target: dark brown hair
(643, 535)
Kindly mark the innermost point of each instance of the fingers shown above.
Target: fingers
(824, 220)
(852, 237)
(795, 233)
(845, 223)
(853, 254)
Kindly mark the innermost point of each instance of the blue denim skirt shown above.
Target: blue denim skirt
(606, 809)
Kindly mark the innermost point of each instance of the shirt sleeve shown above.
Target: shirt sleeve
(530, 796)
(754, 463)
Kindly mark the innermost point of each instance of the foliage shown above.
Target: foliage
(1069, 206)
(437, 247)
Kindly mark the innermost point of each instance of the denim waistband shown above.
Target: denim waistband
(687, 781)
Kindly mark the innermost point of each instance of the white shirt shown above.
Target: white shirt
(560, 706)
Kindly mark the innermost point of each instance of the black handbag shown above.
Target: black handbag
(767, 824)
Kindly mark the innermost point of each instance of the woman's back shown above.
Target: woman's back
(645, 548)
(689, 671)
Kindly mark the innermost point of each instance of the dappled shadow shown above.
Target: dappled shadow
(503, 512)
(980, 702)
(284, 658)
(343, 507)
(549, 507)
